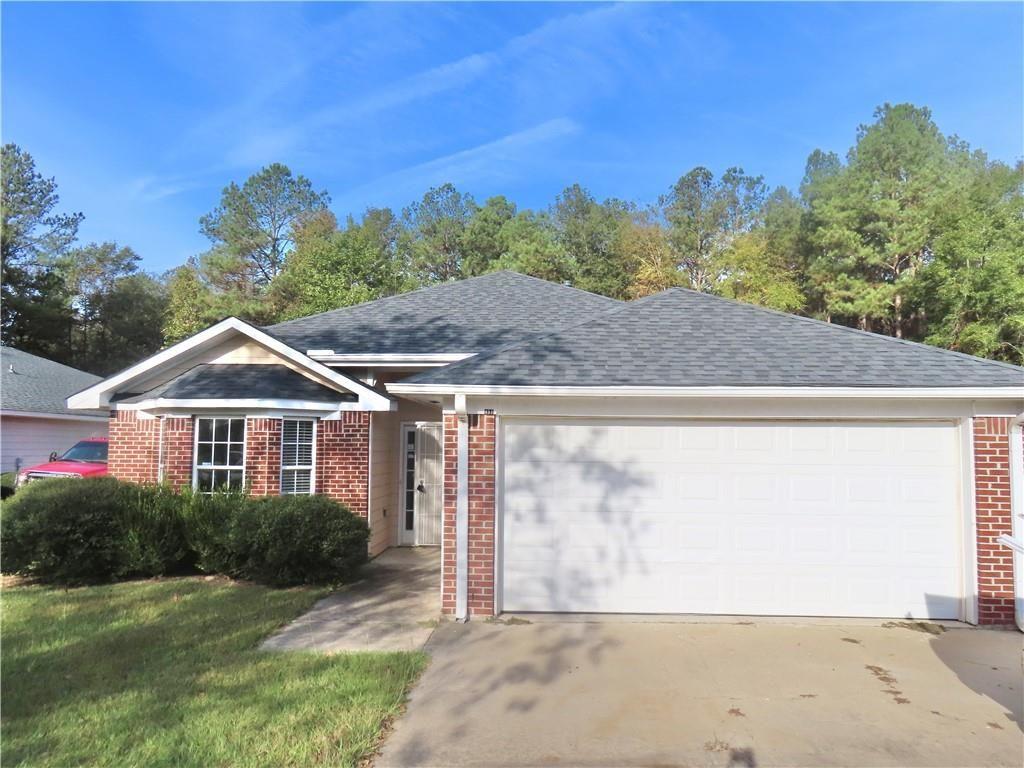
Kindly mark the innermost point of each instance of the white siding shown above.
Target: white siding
(31, 440)
(383, 514)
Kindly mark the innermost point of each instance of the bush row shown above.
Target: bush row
(73, 531)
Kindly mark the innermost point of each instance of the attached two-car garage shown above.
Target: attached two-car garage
(813, 518)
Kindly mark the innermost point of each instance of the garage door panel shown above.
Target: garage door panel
(746, 517)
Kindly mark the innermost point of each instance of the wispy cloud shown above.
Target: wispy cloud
(558, 64)
(506, 157)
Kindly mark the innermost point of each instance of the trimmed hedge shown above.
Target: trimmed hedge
(72, 531)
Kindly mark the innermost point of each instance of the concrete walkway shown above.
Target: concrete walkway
(394, 607)
(741, 694)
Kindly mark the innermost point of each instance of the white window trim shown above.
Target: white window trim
(311, 467)
(195, 449)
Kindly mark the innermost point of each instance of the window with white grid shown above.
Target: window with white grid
(297, 455)
(220, 454)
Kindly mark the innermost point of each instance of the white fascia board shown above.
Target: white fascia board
(98, 395)
(887, 393)
(59, 416)
(238, 404)
(387, 360)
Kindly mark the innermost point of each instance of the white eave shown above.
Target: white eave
(99, 395)
(917, 393)
(59, 416)
(401, 361)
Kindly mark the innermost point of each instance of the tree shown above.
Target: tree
(765, 265)
(188, 303)
(118, 309)
(706, 216)
(588, 232)
(434, 231)
(334, 268)
(873, 219)
(483, 242)
(643, 243)
(972, 289)
(253, 227)
(35, 313)
(528, 245)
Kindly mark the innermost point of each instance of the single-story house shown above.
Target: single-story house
(35, 420)
(681, 453)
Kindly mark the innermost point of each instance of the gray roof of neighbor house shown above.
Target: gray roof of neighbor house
(246, 381)
(681, 338)
(36, 385)
(467, 316)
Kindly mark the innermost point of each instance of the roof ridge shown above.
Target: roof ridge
(869, 334)
(622, 305)
(445, 284)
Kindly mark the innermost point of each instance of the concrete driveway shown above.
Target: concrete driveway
(625, 693)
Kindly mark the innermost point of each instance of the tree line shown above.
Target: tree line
(912, 234)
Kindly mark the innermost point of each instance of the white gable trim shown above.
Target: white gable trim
(98, 395)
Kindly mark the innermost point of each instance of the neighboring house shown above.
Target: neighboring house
(677, 454)
(34, 417)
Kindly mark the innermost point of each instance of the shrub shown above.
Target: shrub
(208, 522)
(64, 530)
(153, 541)
(72, 531)
(286, 540)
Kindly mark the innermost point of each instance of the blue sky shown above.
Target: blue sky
(143, 112)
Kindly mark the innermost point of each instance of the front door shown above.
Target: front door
(422, 483)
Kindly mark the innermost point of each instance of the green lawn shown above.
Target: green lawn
(162, 673)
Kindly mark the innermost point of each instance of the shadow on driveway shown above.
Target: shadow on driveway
(747, 693)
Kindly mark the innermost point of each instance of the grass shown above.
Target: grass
(162, 673)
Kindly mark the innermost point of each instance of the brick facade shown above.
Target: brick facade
(177, 452)
(342, 454)
(343, 460)
(992, 515)
(134, 447)
(481, 513)
(263, 456)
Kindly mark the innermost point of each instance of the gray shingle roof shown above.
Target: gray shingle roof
(680, 338)
(272, 382)
(467, 316)
(38, 385)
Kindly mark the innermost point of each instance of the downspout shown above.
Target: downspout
(462, 512)
(1015, 541)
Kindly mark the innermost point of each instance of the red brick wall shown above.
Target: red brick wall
(178, 443)
(263, 456)
(343, 460)
(481, 513)
(134, 447)
(992, 513)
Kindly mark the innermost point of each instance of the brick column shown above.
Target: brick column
(133, 448)
(343, 460)
(992, 515)
(263, 456)
(177, 451)
(481, 513)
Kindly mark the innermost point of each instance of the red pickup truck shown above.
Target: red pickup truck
(87, 458)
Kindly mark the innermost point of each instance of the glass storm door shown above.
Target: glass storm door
(422, 483)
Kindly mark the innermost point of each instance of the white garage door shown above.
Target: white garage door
(762, 518)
